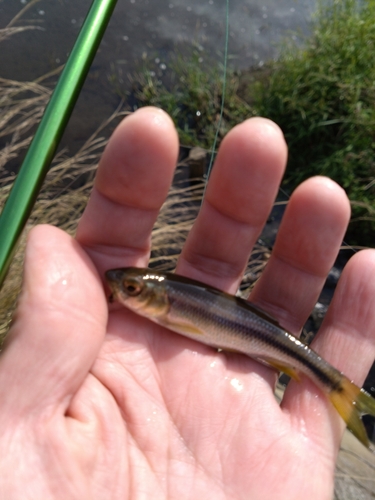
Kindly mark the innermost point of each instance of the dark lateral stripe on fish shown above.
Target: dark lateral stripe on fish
(273, 340)
(210, 289)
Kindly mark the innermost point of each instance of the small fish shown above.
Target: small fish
(223, 321)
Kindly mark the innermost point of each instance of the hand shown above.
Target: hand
(111, 406)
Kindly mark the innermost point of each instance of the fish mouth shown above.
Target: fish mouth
(113, 276)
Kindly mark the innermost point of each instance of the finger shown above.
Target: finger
(347, 336)
(240, 193)
(132, 181)
(306, 247)
(347, 341)
(58, 328)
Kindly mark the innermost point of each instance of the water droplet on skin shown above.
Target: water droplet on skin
(236, 384)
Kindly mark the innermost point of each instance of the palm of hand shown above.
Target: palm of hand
(205, 425)
(139, 412)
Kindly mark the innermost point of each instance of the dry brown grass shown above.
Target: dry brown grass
(67, 187)
(10, 29)
(68, 183)
(63, 199)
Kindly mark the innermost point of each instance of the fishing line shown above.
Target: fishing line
(222, 96)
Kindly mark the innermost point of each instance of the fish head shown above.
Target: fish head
(139, 289)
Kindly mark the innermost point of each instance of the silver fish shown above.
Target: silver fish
(223, 321)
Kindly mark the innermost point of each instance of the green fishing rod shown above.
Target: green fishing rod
(39, 156)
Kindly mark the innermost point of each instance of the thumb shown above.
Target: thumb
(58, 328)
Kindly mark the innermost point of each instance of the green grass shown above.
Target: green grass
(321, 94)
(323, 97)
(191, 92)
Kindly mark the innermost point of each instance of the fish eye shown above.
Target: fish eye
(132, 287)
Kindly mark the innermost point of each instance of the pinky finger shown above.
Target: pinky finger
(347, 341)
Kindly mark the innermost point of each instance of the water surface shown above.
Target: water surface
(144, 29)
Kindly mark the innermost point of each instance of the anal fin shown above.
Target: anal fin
(288, 370)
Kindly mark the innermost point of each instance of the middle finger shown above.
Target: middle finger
(239, 197)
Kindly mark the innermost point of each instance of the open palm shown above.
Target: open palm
(111, 406)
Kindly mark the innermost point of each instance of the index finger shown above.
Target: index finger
(132, 182)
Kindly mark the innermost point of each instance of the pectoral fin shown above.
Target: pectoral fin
(184, 328)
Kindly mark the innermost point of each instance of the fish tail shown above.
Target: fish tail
(352, 402)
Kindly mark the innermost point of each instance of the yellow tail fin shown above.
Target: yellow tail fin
(351, 402)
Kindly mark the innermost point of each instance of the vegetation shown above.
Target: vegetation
(66, 188)
(191, 92)
(69, 181)
(322, 95)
